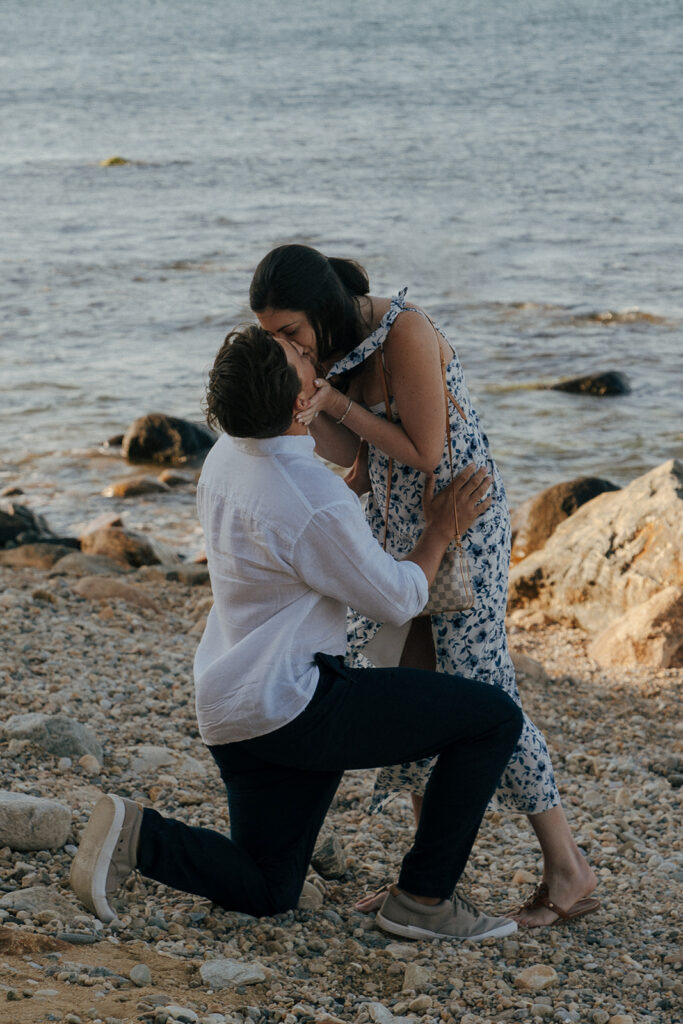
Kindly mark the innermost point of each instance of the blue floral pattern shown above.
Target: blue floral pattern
(471, 643)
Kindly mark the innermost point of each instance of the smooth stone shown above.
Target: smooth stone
(182, 1014)
(57, 734)
(33, 823)
(311, 897)
(191, 575)
(218, 974)
(522, 877)
(416, 977)
(529, 667)
(379, 1013)
(140, 975)
(127, 546)
(536, 978)
(16, 520)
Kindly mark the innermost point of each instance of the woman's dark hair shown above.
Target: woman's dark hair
(252, 388)
(325, 289)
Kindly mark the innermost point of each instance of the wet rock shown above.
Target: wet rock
(650, 635)
(165, 439)
(114, 161)
(174, 478)
(133, 486)
(329, 857)
(536, 519)
(37, 556)
(16, 520)
(218, 974)
(614, 553)
(127, 546)
(103, 588)
(536, 978)
(11, 491)
(57, 734)
(610, 383)
(32, 823)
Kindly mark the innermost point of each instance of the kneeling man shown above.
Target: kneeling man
(288, 550)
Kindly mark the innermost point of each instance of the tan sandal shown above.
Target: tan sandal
(372, 901)
(540, 897)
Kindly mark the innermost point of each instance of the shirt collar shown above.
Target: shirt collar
(284, 444)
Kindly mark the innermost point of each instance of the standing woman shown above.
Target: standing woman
(361, 342)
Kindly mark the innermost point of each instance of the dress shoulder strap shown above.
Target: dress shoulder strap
(373, 341)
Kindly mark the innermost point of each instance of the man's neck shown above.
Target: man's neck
(295, 429)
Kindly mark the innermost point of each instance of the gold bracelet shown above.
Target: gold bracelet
(345, 413)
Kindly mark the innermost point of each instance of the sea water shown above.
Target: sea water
(516, 164)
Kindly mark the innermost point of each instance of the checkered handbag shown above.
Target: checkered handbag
(452, 590)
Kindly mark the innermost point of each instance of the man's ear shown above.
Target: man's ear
(301, 403)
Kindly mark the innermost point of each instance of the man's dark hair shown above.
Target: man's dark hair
(252, 388)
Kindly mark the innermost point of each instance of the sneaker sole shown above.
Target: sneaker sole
(90, 866)
(411, 931)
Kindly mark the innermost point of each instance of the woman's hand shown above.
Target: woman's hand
(326, 399)
(469, 489)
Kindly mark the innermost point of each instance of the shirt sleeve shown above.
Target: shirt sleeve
(338, 556)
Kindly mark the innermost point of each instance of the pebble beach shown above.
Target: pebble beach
(122, 666)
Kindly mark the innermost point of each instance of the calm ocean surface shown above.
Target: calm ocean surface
(516, 164)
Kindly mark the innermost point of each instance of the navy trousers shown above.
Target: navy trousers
(280, 785)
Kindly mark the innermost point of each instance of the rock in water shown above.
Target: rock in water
(16, 520)
(127, 546)
(614, 553)
(610, 383)
(160, 438)
(535, 520)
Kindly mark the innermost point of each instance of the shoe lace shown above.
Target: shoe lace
(463, 902)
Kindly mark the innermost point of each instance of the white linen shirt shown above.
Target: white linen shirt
(288, 549)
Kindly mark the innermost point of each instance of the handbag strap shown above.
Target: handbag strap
(390, 466)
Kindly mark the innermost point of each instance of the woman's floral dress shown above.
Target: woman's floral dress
(470, 643)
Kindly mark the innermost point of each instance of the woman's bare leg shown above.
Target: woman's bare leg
(566, 871)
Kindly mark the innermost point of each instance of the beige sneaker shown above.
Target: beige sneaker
(451, 919)
(107, 853)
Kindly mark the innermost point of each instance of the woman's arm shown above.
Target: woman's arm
(411, 353)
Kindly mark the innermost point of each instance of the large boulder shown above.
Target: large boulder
(165, 439)
(535, 520)
(650, 634)
(613, 553)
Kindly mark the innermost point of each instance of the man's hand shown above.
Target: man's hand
(469, 489)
